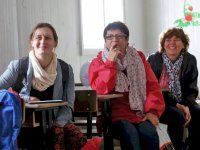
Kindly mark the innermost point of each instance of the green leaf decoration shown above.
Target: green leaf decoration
(196, 14)
(191, 18)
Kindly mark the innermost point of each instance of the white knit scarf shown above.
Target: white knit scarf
(43, 78)
(134, 82)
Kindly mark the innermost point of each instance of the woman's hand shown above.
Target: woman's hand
(186, 113)
(31, 98)
(113, 54)
(152, 118)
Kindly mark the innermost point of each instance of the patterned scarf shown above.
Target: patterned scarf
(134, 82)
(43, 78)
(173, 70)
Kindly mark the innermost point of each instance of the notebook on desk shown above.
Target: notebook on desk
(45, 101)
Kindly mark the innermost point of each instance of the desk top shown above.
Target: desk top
(79, 88)
(108, 96)
(45, 105)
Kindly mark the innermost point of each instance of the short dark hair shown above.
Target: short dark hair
(177, 32)
(117, 25)
(42, 25)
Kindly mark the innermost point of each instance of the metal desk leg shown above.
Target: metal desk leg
(44, 127)
(44, 122)
(50, 119)
(89, 125)
(107, 122)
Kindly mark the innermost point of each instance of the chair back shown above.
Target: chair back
(85, 101)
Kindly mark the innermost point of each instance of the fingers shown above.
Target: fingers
(113, 54)
(187, 115)
(155, 122)
(115, 49)
(152, 118)
(186, 123)
(145, 118)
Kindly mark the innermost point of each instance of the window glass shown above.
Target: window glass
(95, 15)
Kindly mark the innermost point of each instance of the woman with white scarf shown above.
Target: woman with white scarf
(120, 68)
(43, 79)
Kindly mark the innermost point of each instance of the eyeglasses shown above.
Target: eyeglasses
(117, 36)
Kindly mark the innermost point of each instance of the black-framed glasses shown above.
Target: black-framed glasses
(117, 36)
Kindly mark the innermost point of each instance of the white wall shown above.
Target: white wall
(134, 12)
(153, 26)
(8, 33)
(18, 17)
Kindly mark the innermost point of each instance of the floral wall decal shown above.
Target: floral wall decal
(191, 18)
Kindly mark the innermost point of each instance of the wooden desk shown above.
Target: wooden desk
(46, 110)
(43, 107)
(108, 97)
(105, 101)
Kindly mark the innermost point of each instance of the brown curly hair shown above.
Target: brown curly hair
(177, 32)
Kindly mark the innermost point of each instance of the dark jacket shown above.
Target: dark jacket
(188, 78)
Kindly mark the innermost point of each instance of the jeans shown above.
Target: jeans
(175, 120)
(142, 136)
(194, 127)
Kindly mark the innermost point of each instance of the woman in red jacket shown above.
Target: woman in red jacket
(120, 68)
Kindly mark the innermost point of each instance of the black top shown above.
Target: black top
(44, 95)
(188, 78)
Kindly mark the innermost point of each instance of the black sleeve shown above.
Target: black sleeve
(169, 100)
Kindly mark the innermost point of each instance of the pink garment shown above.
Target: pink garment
(164, 80)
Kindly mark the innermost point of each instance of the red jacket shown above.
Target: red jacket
(102, 78)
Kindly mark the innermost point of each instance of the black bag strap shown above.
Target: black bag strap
(65, 73)
(23, 67)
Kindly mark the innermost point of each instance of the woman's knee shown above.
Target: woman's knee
(148, 129)
(128, 135)
(174, 116)
(148, 136)
(124, 128)
(123, 124)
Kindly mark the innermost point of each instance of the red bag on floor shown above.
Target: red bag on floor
(92, 144)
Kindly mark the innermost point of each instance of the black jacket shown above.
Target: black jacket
(188, 78)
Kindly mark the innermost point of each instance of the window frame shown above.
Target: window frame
(93, 51)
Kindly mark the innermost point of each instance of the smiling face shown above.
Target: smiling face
(116, 39)
(173, 47)
(43, 41)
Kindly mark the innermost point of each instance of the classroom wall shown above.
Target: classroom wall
(18, 17)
